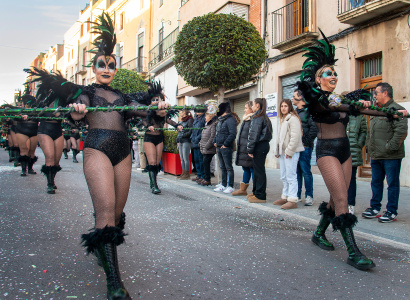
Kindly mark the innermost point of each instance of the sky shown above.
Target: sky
(28, 27)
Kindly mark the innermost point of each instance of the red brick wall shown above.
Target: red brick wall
(255, 14)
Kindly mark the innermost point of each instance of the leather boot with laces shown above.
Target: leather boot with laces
(103, 243)
(319, 237)
(357, 259)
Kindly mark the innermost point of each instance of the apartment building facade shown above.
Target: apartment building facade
(372, 45)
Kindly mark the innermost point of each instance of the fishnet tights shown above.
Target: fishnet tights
(153, 153)
(52, 149)
(337, 179)
(108, 186)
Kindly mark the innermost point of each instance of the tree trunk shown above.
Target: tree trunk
(221, 95)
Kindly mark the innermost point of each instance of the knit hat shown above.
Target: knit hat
(223, 108)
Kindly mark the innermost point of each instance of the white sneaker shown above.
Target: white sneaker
(221, 188)
(308, 201)
(351, 209)
(228, 190)
(218, 185)
(160, 173)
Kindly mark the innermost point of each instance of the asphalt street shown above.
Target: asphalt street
(187, 243)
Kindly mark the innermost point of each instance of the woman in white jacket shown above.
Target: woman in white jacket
(288, 147)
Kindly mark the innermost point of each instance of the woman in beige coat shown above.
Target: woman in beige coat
(288, 147)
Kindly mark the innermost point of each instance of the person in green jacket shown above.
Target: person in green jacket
(385, 145)
(356, 131)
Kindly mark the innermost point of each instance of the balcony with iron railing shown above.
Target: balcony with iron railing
(138, 64)
(291, 26)
(160, 55)
(354, 12)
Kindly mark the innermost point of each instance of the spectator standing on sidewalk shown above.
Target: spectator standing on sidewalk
(356, 132)
(224, 142)
(260, 134)
(184, 143)
(199, 122)
(208, 150)
(288, 148)
(385, 145)
(309, 134)
(242, 157)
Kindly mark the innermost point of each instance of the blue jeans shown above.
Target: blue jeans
(351, 192)
(304, 173)
(199, 161)
(389, 168)
(225, 163)
(247, 173)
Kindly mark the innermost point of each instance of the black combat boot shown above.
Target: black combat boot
(345, 224)
(103, 243)
(30, 165)
(24, 160)
(319, 237)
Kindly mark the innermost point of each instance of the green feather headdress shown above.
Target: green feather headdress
(318, 55)
(106, 40)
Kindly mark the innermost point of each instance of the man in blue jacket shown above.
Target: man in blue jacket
(199, 122)
(224, 140)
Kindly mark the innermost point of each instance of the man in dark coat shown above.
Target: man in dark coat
(199, 122)
(309, 134)
(224, 140)
(385, 145)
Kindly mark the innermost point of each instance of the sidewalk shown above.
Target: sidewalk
(397, 231)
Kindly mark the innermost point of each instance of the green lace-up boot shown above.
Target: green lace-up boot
(345, 223)
(319, 237)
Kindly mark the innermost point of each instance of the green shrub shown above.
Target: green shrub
(127, 82)
(218, 52)
(170, 141)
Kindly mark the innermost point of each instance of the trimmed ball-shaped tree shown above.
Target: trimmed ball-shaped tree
(218, 52)
(127, 82)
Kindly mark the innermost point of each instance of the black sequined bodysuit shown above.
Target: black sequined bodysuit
(107, 132)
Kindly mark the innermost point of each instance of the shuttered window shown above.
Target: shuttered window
(289, 85)
(237, 9)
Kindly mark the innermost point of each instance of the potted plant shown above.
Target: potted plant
(171, 162)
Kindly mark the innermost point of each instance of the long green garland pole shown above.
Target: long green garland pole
(163, 129)
(40, 111)
(31, 117)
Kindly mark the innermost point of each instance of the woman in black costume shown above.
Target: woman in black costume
(51, 140)
(75, 142)
(154, 141)
(26, 137)
(333, 150)
(67, 140)
(106, 153)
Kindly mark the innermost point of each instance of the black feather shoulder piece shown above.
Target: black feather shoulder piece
(154, 90)
(27, 99)
(53, 87)
(106, 40)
